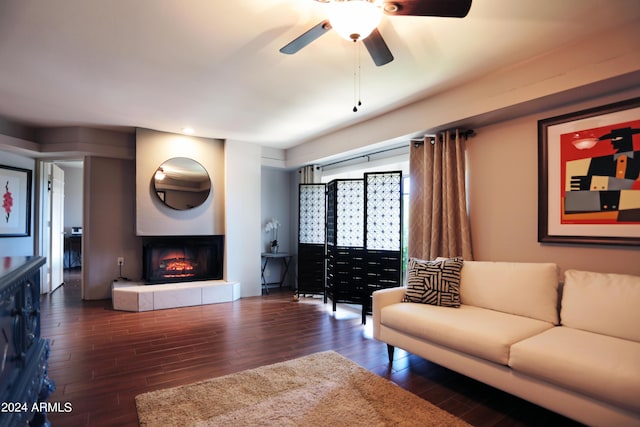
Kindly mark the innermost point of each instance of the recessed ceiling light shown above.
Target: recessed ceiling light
(188, 131)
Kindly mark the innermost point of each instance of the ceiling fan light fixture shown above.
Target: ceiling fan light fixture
(354, 19)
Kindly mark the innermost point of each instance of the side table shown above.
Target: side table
(284, 258)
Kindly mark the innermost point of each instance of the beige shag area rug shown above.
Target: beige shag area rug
(321, 389)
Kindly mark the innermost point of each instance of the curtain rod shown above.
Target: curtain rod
(365, 156)
(432, 137)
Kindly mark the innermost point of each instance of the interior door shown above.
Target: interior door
(57, 227)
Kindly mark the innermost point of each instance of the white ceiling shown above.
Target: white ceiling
(215, 66)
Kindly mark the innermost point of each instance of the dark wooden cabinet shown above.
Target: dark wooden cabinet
(24, 384)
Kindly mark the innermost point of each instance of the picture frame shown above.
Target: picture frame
(588, 176)
(15, 196)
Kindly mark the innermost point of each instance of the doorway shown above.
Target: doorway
(60, 238)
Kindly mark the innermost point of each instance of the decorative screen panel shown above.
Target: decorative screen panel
(363, 249)
(331, 213)
(384, 210)
(312, 214)
(350, 213)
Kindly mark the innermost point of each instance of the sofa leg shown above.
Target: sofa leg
(390, 349)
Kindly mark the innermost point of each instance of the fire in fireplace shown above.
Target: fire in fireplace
(170, 259)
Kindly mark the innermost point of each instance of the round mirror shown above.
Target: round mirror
(182, 183)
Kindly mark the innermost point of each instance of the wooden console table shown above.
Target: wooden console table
(24, 384)
(285, 258)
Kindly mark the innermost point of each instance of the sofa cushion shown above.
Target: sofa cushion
(434, 282)
(483, 333)
(596, 365)
(602, 302)
(525, 289)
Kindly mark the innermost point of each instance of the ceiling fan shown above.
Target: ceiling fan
(357, 20)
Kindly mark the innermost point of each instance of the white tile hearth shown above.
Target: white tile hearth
(136, 296)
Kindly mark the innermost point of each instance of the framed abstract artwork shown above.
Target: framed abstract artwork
(589, 176)
(15, 194)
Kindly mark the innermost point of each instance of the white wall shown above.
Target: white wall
(275, 203)
(73, 174)
(503, 187)
(556, 78)
(109, 225)
(19, 246)
(351, 170)
(243, 239)
(155, 219)
(503, 108)
(294, 182)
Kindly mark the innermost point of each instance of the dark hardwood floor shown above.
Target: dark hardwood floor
(101, 358)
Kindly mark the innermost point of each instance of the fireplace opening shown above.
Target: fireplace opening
(170, 259)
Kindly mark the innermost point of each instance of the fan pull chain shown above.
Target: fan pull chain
(356, 77)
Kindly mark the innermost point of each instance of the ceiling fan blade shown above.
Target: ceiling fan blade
(306, 38)
(377, 48)
(444, 8)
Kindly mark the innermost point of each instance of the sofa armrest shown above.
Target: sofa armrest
(383, 298)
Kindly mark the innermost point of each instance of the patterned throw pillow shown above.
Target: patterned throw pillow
(434, 282)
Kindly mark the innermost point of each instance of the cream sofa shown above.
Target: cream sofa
(574, 349)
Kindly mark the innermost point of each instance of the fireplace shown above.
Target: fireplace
(170, 259)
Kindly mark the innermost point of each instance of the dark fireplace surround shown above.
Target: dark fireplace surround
(172, 259)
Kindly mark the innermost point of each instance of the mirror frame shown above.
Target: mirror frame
(185, 183)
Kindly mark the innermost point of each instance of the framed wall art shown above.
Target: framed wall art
(589, 176)
(15, 195)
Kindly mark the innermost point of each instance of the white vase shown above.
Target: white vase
(274, 249)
